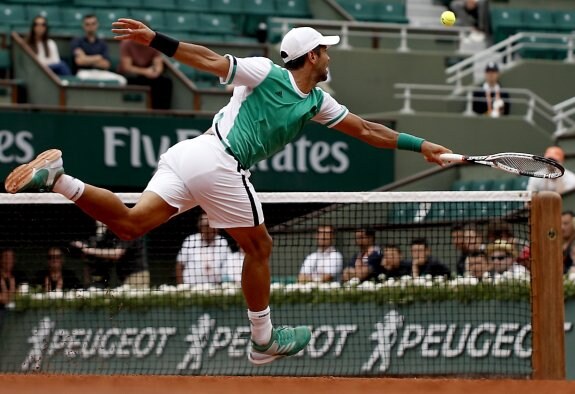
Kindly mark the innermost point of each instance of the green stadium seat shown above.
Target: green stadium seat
(501, 185)
(108, 15)
(461, 186)
(180, 21)
(403, 212)
(227, 6)
(154, 19)
(163, 5)
(360, 10)
(50, 12)
(72, 16)
(544, 48)
(520, 183)
(506, 22)
(390, 12)
(482, 185)
(194, 5)
(40, 2)
(94, 3)
(293, 8)
(444, 211)
(215, 24)
(259, 7)
(538, 20)
(205, 38)
(564, 21)
(130, 3)
(13, 14)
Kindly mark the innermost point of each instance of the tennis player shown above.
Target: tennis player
(269, 107)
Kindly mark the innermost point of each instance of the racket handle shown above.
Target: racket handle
(451, 157)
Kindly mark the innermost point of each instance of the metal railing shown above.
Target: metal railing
(537, 110)
(373, 30)
(564, 117)
(506, 51)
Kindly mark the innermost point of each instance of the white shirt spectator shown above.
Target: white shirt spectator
(54, 57)
(560, 185)
(322, 262)
(203, 262)
(232, 271)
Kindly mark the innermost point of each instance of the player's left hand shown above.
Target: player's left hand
(130, 29)
(431, 152)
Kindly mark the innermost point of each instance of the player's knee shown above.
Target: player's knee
(261, 248)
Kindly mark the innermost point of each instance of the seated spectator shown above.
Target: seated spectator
(90, 54)
(8, 281)
(561, 185)
(470, 243)
(392, 265)
(568, 236)
(232, 271)
(143, 65)
(325, 264)
(502, 256)
(106, 251)
(55, 276)
(365, 264)
(423, 263)
(202, 255)
(478, 265)
(45, 48)
(473, 13)
(491, 99)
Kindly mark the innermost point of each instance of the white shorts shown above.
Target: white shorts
(199, 172)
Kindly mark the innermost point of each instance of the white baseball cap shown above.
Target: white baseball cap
(300, 40)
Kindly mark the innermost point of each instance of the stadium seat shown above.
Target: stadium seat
(94, 3)
(501, 185)
(564, 21)
(215, 24)
(461, 186)
(538, 20)
(108, 15)
(506, 22)
(482, 185)
(13, 14)
(544, 48)
(50, 12)
(131, 3)
(180, 21)
(72, 16)
(227, 6)
(259, 7)
(444, 211)
(403, 212)
(154, 19)
(390, 12)
(520, 183)
(193, 5)
(293, 8)
(360, 10)
(163, 5)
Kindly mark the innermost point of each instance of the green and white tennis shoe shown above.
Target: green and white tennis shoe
(285, 342)
(39, 175)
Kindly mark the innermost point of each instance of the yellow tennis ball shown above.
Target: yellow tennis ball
(448, 18)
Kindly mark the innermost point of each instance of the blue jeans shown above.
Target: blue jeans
(60, 68)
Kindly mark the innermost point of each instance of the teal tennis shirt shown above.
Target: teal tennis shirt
(267, 110)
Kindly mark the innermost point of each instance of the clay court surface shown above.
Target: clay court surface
(48, 384)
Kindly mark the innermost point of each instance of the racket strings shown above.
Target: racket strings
(528, 165)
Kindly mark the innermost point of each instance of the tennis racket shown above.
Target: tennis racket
(516, 163)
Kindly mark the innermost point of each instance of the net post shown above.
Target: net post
(548, 313)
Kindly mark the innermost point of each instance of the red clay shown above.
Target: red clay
(64, 384)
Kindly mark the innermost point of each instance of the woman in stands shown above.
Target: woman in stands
(45, 48)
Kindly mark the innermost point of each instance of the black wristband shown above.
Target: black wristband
(167, 45)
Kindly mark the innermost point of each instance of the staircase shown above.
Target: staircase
(424, 12)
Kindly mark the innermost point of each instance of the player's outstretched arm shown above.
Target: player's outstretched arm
(383, 137)
(196, 56)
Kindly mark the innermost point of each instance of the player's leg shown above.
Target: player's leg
(268, 343)
(46, 173)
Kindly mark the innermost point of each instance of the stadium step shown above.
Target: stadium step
(423, 12)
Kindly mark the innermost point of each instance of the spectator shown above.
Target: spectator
(423, 263)
(392, 265)
(90, 54)
(499, 229)
(233, 268)
(55, 276)
(502, 257)
(491, 100)
(325, 264)
(365, 264)
(472, 242)
(45, 48)
(202, 255)
(561, 185)
(105, 250)
(143, 65)
(8, 280)
(478, 265)
(474, 13)
(568, 234)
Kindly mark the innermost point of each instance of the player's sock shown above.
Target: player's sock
(69, 187)
(261, 325)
